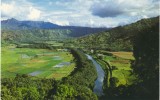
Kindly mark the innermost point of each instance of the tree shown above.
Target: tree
(146, 65)
(113, 81)
(65, 91)
(30, 93)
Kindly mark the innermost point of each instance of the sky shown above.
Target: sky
(90, 13)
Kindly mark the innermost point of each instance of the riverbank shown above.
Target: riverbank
(98, 85)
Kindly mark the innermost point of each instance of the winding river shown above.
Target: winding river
(99, 82)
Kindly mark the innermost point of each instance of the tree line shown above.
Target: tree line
(78, 85)
(145, 67)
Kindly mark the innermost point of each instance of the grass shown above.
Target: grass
(125, 55)
(34, 60)
(55, 43)
(121, 60)
(123, 71)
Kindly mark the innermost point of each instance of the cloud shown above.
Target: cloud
(110, 8)
(6, 9)
(19, 9)
(106, 9)
(50, 3)
(33, 13)
(107, 12)
(91, 13)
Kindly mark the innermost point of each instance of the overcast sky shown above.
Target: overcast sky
(92, 13)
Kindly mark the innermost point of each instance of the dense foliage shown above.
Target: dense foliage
(83, 77)
(117, 39)
(145, 66)
(23, 87)
(30, 35)
(34, 35)
(141, 37)
(78, 85)
(36, 45)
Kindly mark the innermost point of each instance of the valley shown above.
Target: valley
(53, 62)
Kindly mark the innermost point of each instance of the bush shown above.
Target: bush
(114, 68)
(113, 81)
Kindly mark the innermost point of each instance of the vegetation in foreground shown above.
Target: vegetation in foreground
(145, 67)
(78, 85)
(143, 39)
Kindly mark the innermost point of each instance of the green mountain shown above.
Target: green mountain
(119, 38)
(28, 31)
(34, 35)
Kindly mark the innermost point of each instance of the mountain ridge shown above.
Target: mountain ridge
(14, 30)
(34, 24)
(119, 38)
(16, 24)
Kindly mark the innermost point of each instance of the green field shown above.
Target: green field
(35, 62)
(54, 43)
(124, 55)
(122, 66)
(122, 71)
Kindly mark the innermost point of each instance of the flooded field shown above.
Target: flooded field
(36, 62)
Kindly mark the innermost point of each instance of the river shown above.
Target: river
(98, 88)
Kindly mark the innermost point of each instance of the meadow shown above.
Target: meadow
(121, 67)
(41, 63)
(54, 43)
(124, 55)
(120, 63)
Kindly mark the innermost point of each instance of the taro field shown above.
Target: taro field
(41, 63)
(121, 67)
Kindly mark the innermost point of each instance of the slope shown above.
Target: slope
(23, 31)
(120, 38)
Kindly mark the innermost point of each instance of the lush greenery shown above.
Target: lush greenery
(36, 62)
(78, 85)
(128, 75)
(29, 31)
(121, 68)
(118, 71)
(145, 67)
(83, 77)
(117, 39)
(130, 81)
(34, 35)
(23, 87)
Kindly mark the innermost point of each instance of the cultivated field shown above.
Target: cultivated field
(120, 63)
(35, 62)
(125, 55)
(122, 67)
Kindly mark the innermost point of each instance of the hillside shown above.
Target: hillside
(34, 35)
(26, 31)
(119, 38)
(14, 24)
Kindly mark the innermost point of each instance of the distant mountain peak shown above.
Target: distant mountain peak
(13, 23)
(12, 19)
